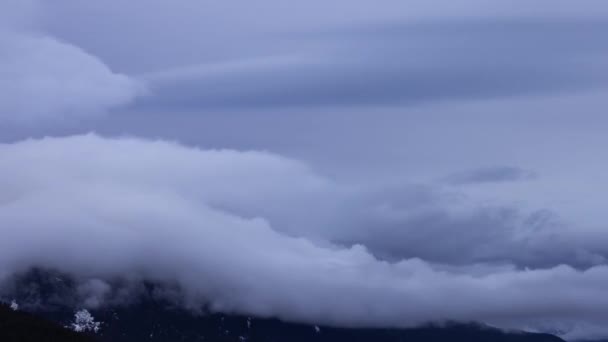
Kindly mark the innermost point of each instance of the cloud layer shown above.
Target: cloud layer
(106, 208)
(484, 201)
(401, 63)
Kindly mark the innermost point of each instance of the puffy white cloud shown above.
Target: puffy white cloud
(103, 208)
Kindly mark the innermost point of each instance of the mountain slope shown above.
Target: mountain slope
(17, 326)
(148, 316)
(154, 321)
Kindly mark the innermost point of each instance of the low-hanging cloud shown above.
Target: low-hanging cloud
(102, 208)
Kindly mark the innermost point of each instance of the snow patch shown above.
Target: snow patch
(14, 306)
(84, 322)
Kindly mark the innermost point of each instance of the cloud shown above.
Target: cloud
(103, 208)
(259, 233)
(496, 174)
(402, 64)
(396, 54)
(45, 79)
(225, 31)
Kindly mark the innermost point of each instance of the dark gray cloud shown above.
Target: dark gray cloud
(490, 175)
(448, 227)
(401, 64)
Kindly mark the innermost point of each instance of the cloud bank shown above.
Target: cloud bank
(209, 220)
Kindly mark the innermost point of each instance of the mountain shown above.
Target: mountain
(154, 322)
(18, 326)
(152, 318)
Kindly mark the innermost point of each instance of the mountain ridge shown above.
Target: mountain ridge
(150, 315)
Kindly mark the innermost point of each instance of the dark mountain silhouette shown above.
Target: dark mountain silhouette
(151, 317)
(18, 326)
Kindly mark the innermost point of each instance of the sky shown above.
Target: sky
(434, 162)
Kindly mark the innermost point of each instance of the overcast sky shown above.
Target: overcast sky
(436, 161)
